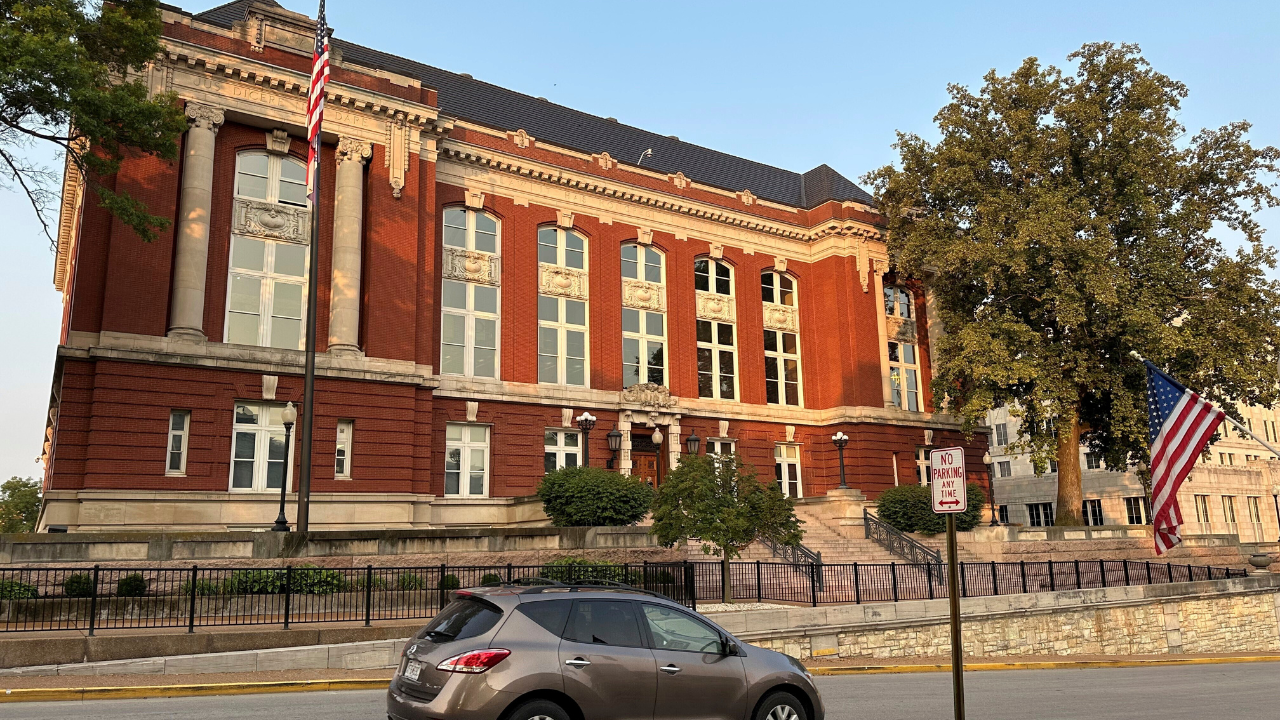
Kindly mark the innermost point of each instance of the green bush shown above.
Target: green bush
(491, 579)
(572, 569)
(307, 579)
(15, 590)
(909, 508)
(411, 581)
(203, 587)
(450, 582)
(79, 585)
(588, 497)
(254, 582)
(132, 585)
(378, 583)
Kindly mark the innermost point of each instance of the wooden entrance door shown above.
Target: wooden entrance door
(645, 465)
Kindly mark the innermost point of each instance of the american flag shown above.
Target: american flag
(1182, 423)
(315, 97)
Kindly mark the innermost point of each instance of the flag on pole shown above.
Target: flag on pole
(1181, 424)
(315, 98)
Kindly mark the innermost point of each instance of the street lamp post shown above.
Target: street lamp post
(1275, 498)
(692, 442)
(615, 444)
(586, 421)
(289, 416)
(840, 440)
(991, 486)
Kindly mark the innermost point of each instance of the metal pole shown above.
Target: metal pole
(957, 647)
(759, 585)
(813, 583)
(93, 602)
(191, 615)
(991, 487)
(857, 586)
(843, 484)
(282, 522)
(368, 594)
(309, 372)
(288, 591)
(1276, 499)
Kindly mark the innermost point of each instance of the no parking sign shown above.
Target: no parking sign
(947, 478)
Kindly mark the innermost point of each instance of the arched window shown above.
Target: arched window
(469, 310)
(644, 324)
(267, 279)
(781, 339)
(566, 248)
(897, 302)
(712, 276)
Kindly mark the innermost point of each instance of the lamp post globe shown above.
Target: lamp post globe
(991, 486)
(840, 440)
(288, 417)
(586, 422)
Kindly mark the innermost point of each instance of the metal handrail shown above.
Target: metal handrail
(798, 554)
(897, 542)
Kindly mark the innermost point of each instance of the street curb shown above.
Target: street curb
(1038, 665)
(164, 691)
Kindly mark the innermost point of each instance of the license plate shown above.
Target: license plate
(413, 669)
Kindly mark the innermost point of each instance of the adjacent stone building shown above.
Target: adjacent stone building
(491, 265)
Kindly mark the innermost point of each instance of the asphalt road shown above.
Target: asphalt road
(1236, 691)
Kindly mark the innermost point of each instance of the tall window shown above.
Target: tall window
(468, 229)
(641, 263)
(258, 454)
(1002, 434)
(781, 348)
(179, 422)
(466, 460)
(786, 469)
(1202, 513)
(1135, 509)
(717, 376)
(1040, 514)
(266, 287)
(566, 248)
(897, 302)
(1006, 468)
(342, 450)
(562, 341)
(469, 329)
(560, 449)
(1092, 512)
(904, 383)
(643, 331)
(1229, 509)
(1092, 461)
(720, 447)
(712, 276)
(923, 464)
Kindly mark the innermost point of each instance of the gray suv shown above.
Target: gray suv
(589, 652)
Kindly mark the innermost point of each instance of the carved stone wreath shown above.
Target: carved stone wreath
(781, 317)
(643, 295)
(562, 282)
(900, 329)
(713, 306)
(648, 395)
(469, 266)
(271, 220)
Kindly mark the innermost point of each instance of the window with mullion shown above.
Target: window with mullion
(179, 431)
(560, 450)
(259, 461)
(469, 329)
(266, 295)
(643, 347)
(786, 469)
(712, 276)
(781, 368)
(566, 248)
(271, 178)
(562, 341)
(904, 378)
(469, 229)
(897, 302)
(466, 460)
(777, 289)
(717, 364)
(642, 263)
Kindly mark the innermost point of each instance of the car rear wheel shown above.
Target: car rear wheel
(781, 706)
(539, 710)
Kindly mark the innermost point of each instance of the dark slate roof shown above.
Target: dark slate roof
(504, 109)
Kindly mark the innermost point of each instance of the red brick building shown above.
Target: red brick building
(492, 265)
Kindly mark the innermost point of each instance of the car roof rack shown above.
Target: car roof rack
(589, 584)
(533, 581)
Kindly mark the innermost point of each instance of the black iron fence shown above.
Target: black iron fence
(97, 598)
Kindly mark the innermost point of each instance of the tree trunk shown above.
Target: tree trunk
(1070, 494)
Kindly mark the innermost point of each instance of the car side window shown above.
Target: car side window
(550, 614)
(674, 630)
(604, 622)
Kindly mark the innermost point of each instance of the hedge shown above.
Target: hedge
(590, 497)
(909, 508)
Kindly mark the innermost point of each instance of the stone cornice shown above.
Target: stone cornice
(68, 223)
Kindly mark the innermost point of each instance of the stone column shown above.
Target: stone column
(348, 209)
(882, 333)
(186, 318)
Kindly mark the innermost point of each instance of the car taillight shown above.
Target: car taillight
(476, 661)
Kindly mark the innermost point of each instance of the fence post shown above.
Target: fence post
(857, 587)
(1126, 574)
(893, 577)
(1102, 568)
(813, 583)
(93, 602)
(1053, 583)
(1022, 567)
(1169, 570)
(368, 594)
(928, 570)
(288, 592)
(724, 577)
(964, 582)
(995, 584)
(691, 585)
(1148, 572)
(191, 613)
(441, 593)
(759, 584)
(1077, 564)
(510, 574)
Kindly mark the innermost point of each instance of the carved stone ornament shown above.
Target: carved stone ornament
(203, 116)
(717, 250)
(562, 282)
(469, 266)
(780, 264)
(748, 198)
(255, 218)
(648, 395)
(645, 236)
(564, 219)
(712, 306)
(781, 317)
(350, 148)
(475, 199)
(521, 138)
(278, 142)
(679, 180)
(900, 329)
(643, 295)
(605, 161)
(396, 158)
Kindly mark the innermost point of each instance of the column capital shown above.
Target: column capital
(204, 116)
(350, 148)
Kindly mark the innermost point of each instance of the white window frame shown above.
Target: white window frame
(644, 254)
(181, 438)
(898, 302)
(644, 341)
(344, 446)
(1229, 510)
(1005, 468)
(275, 177)
(1140, 502)
(561, 327)
(268, 279)
(924, 464)
(1091, 512)
(465, 445)
(715, 348)
(470, 231)
(1002, 434)
(777, 360)
(786, 458)
(1092, 461)
(557, 448)
(1036, 514)
(263, 431)
(713, 276)
(1202, 513)
(564, 255)
(470, 315)
(901, 393)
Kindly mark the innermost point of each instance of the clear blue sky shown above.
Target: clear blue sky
(790, 84)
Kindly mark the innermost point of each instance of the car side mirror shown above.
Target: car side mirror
(728, 647)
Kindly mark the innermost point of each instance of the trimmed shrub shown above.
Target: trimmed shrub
(589, 497)
(450, 582)
(411, 581)
(379, 583)
(15, 590)
(203, 587)
(132, 585)
(972, 517)
(572, 569)
(308, 579)
(79, 585)
(254, 582)
(909, 508)
(491, 579)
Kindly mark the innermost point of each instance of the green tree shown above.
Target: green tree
(589, 497)
(19, 505)
(71, 74)
(721, 501)
(1066, 220)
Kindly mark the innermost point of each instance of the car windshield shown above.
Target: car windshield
(463, 618)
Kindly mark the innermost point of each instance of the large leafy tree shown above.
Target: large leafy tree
(1066, 219)
(19, 505)
(71, 75)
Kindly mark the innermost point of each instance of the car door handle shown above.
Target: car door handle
(577, 662)
(669, 669)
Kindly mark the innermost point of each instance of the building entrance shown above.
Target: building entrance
(646, 459)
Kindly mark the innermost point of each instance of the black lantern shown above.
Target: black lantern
(692, 442)
(840, 440)
(288, 416)
(615, 444)
(586, 422)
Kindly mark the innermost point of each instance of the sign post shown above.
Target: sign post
(951, 496)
